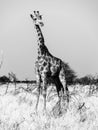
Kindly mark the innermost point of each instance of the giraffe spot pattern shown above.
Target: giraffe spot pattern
(45, 63)
(41, 68)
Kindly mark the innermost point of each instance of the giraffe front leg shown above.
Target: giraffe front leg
(38, 90)
(44, 93)
(36, 107)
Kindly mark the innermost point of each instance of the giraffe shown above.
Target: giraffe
(47, 66)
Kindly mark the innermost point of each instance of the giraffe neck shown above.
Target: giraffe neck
(42, 49)
(39, 35)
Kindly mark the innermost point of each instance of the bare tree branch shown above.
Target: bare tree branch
(1, 59)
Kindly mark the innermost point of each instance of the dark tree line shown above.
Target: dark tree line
(11, 78)
(71, 78)
(87, 80)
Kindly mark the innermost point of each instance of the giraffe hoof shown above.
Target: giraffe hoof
(35, 112)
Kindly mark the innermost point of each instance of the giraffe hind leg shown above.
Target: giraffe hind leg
(67, 93)
(59, 88)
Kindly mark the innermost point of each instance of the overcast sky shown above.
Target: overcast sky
(70, 32)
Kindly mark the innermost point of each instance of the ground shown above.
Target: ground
(17, 109)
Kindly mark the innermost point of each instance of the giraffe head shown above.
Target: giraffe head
(37, 18)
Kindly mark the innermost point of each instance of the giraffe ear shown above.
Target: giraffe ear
(31, 16)
(38, 12)
(40, 16)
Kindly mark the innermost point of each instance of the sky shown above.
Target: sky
(70, 32)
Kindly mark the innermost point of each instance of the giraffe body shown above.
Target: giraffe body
(47, 66)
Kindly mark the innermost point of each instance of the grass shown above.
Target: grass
(17, 110)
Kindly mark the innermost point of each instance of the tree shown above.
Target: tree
(4, 79)
(70, 75)
(13, 78)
